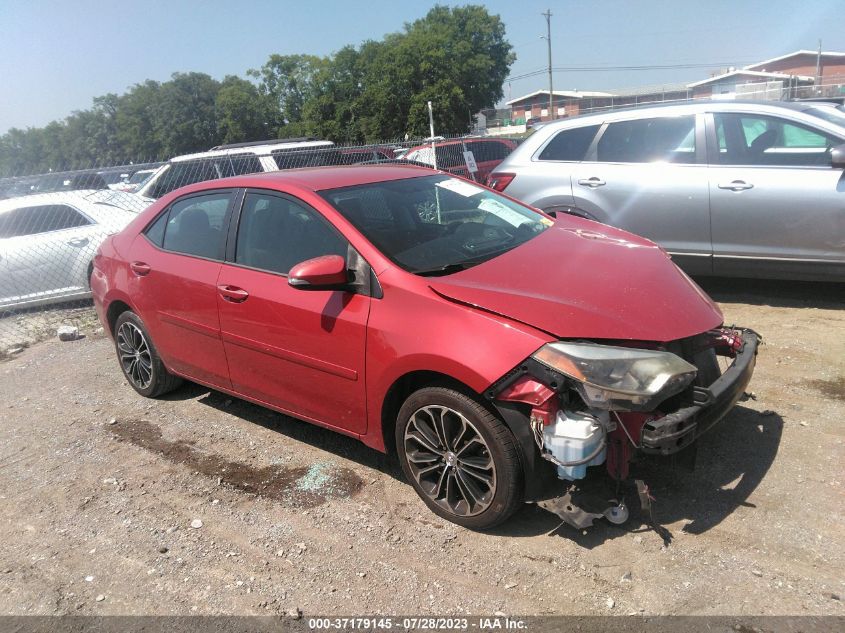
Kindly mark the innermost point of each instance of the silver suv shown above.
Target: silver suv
(238, 159)
(728, 188)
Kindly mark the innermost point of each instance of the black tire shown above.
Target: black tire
(446, 479)
(148, 375)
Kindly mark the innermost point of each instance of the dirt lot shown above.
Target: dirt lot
(113, 504)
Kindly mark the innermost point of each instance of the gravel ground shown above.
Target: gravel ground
(202, 504)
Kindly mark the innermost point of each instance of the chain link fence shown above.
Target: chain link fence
(52, 224)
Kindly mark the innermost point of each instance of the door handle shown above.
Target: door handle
(233, 294)
(736, 185)
(592, 182)
(78, 241)
(140, 268)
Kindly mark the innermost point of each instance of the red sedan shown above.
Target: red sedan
(492, 349)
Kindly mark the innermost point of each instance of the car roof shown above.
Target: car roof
(460, 141)
(89, 201)
(683, 107)
(321, 178)
(266, 148)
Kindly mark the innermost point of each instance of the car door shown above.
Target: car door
(44, 244)
(174, 265)
(777, 205)
(649, 176)
(299, 351)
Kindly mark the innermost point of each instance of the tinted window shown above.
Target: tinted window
(484, 151)
(316, 157)
(667, 139)
(188, 172)
(276, 233)
(195, 225)
(570, 144)
(155, 232)
(43, 219)
(747, 139)
(449, 156)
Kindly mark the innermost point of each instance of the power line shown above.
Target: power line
(570, 69)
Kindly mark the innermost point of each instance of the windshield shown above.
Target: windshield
(140, 176)
(436, 225)
(829, 114)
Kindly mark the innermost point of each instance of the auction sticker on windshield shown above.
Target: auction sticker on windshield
(461, 187)
(503, 212)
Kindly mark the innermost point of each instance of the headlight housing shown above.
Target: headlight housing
(621, 378)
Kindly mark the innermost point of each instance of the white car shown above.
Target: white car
(48, 242)
(238, 159)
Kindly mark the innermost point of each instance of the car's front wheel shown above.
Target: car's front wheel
(139, 359)
(460, 458)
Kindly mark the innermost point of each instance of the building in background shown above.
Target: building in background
(803, 74)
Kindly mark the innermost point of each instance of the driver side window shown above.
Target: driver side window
(276, 233)
(750, 139)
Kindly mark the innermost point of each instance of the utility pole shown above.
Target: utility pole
(819, 69)
(548, 38)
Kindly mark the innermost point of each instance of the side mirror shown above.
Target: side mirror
(837, 156)
(321, 273)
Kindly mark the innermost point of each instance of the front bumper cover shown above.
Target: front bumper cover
(676, 431)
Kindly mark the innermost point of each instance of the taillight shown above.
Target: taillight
(499, 180)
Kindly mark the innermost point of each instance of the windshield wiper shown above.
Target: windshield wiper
(448, 269)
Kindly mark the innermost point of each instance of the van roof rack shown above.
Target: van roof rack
(299, 139)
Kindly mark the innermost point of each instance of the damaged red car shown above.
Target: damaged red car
(503, 356)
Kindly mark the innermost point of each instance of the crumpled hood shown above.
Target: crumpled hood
(582, 279)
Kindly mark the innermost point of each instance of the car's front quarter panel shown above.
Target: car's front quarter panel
(413, 329)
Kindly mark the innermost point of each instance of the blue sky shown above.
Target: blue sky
(55, 56)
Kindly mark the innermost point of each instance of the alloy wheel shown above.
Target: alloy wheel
(450, 460)
(134, 355)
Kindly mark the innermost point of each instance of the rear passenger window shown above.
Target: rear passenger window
(195, 225)
(658, 140)
(570, 145)
(276, 233)
(40, 219)
(155, 232)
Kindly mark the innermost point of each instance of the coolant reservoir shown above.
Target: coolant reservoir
(573, 436)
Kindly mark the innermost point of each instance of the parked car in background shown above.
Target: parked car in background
(494, 351)
(358, 155)
(115, 178)
(48, 241)
(829, 111)
(728, 188)
(236, 159)
(488, 153)
(137, 180)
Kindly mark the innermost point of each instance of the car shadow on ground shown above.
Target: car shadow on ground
(769, 292)
(320, 438)
(732, 460)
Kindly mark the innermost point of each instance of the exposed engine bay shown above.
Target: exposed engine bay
(591, 404)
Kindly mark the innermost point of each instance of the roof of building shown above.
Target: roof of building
(746, 73)
(572, 94)
(762, 64)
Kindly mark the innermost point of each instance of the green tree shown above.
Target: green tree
(135, 121)
(289, 80)
(184, 114)
(243, 113)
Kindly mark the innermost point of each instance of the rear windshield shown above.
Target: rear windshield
(436, 225)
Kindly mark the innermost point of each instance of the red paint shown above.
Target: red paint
(331, 357)
(582, 279)
(328, 270)
(622, 442)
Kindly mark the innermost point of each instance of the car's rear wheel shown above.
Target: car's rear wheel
(459, 457)
(139, 359)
